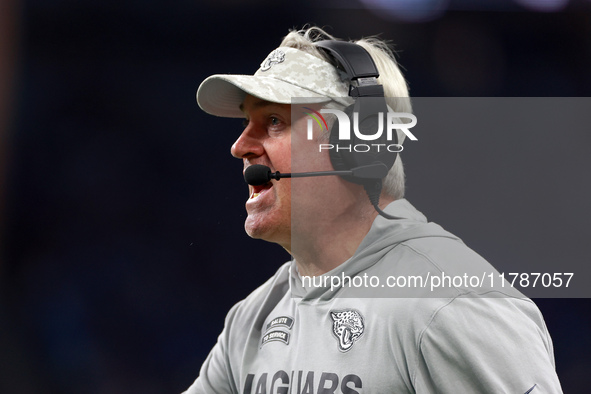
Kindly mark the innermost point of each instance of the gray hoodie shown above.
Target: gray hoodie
(386, 327)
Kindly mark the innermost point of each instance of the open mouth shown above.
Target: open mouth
(258, 190)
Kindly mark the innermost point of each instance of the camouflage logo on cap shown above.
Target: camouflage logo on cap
(277, 56)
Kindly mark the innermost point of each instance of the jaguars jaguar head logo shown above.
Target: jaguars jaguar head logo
(277, 56)
(348, 327)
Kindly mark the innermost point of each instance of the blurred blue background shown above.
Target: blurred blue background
(121, 208)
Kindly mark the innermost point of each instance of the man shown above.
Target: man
(318, 325)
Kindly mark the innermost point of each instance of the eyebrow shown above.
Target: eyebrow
(258, 104)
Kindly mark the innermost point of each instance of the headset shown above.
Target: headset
(367, 168)
(370, 104)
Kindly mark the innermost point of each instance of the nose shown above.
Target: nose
(247, 145)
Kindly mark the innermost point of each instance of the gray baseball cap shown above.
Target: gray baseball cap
(286, 74)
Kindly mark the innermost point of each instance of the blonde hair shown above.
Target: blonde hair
(391, 78)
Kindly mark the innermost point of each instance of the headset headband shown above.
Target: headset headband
(358, 65)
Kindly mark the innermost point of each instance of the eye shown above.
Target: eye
(275, 124)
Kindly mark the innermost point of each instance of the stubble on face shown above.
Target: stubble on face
(266, 140)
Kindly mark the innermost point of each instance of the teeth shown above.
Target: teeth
(255, 195)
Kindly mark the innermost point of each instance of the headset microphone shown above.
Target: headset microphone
(258, 174)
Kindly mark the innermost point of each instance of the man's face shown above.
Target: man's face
(300, 208)
(266, 140)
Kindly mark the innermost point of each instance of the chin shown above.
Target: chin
(267, 229)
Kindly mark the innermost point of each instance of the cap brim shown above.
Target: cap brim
(222, 94)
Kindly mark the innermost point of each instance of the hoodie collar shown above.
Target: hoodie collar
(383, 236)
